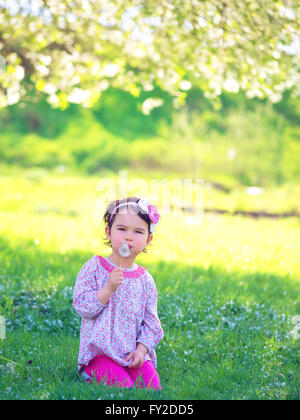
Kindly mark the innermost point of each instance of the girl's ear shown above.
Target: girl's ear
(149, 239)
(107, 232)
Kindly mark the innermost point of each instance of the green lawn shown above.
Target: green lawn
(228, 292)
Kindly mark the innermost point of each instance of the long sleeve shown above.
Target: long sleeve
(85, 300)
(151, 331)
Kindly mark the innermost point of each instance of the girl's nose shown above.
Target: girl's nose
(129, 236)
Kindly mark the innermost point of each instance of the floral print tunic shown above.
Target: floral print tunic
(129, 317)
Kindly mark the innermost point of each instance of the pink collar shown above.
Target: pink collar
(108, 266)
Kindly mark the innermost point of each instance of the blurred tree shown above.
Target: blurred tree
(73, 50)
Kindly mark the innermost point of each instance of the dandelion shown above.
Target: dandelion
(124, 250)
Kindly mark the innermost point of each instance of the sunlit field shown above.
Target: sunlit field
(228, 292)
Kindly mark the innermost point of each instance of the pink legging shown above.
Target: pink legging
(104, 368)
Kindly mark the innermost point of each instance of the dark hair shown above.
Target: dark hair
(110, 214)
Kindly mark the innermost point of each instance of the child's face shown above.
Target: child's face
(131, 229)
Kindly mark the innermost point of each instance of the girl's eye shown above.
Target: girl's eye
(136, 231)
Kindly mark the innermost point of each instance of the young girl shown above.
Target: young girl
(117, 301)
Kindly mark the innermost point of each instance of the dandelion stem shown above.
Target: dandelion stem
(11, 361)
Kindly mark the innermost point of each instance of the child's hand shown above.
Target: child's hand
(138, 359)
(115, 279)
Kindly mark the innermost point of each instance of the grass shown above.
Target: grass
(228, 291)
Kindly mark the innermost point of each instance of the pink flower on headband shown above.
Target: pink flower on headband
(153, 214)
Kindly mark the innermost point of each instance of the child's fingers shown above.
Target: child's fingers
(135, 364)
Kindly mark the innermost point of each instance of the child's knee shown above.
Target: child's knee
(111, 375)
(148, 380)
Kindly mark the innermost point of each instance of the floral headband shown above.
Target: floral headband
(145, 207)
